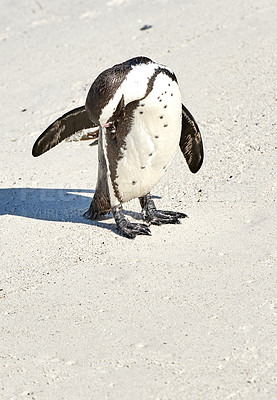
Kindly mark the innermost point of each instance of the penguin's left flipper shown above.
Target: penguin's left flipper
(158, 217)
(191, 141)
(65, 126)
(125, 227)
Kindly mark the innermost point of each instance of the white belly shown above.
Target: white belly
(153, 141)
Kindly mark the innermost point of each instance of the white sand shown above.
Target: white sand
(190, 312)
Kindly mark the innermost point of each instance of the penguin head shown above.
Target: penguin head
(105, 98)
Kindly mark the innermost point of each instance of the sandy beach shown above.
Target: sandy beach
(188, 313)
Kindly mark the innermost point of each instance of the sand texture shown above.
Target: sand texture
(189, 312)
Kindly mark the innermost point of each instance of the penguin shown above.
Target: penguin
(138, 109)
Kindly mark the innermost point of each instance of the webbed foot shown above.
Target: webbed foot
(125, 227)
(158, 217)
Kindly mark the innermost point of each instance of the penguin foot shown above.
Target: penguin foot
(158, 217)
(125, 227)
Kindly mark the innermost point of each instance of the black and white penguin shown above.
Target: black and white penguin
(137, 107)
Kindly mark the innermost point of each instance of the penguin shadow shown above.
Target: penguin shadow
(61, 205)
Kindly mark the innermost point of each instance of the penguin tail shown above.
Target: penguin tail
(100, 205)
(65, 126)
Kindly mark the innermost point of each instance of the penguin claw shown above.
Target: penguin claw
(174, 214)
(159, 217)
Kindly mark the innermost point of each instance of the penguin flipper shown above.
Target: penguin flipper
(191, 141)
(65, 126)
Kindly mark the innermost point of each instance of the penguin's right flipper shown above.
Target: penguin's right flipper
(191, 141)
(65, 126)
